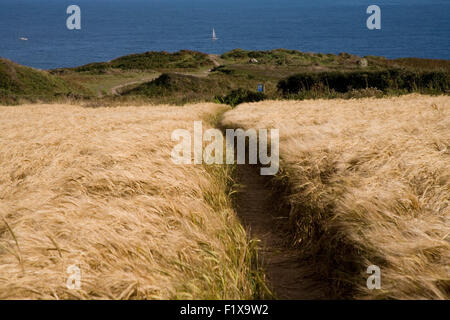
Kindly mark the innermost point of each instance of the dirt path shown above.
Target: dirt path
(116, 90)
(205, 73)
(288, 277)
(214, 60)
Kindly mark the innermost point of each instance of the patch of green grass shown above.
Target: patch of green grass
(185, 60)
(102, 84)
(294, 60)
(23, 84)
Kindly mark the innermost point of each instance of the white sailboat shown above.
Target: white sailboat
(214, 37)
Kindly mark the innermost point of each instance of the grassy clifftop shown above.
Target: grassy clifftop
(22, 83)
(291, 74)
(161, 61)
(309, 61)
(190, 76)
(177, 88)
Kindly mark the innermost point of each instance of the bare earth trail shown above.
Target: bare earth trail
(116, 90)
(204, 73)
(287, 276)
(214, 59)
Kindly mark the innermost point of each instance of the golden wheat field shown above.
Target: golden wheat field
(367, 183)
(95, 188)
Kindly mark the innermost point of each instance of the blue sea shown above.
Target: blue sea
(112, 28)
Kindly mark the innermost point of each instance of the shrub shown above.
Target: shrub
(239, 96)
(393, 80)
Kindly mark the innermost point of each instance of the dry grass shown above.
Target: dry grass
(96, 188)
(367, 182)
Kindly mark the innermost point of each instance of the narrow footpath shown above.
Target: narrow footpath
(287, 276)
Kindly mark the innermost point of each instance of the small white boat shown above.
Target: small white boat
(23, 39)
(214, 37)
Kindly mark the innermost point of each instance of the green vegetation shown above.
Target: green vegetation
(283, 57)
(22, 84)
(239, 96)
(106, 84)
(189, 76)
(420, 64)
(102, 78)
(160, 61)
(388, 81)
(298, 75)
(176, 88)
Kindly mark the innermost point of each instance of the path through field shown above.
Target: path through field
(287, 276)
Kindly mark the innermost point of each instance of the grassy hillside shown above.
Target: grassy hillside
(180, 88)
(171, 84)
(294, 59)
(154, 61)
(298, 75)
(101, 78)
(366, 183)
(287, 74)
(103, 85)
(309, 61)
(19, 83)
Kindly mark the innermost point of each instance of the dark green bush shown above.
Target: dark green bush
(239, 96)
(394, 80)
